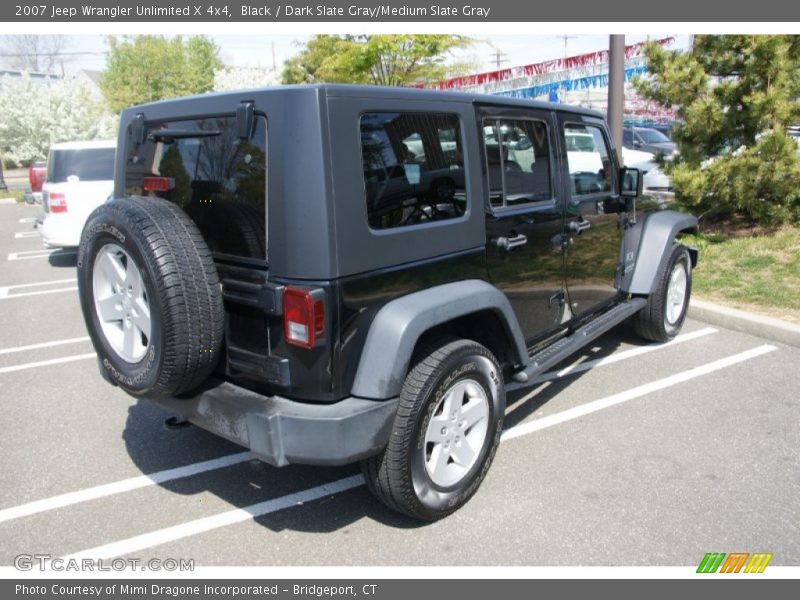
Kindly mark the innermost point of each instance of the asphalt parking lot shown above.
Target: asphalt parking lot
(631, 454)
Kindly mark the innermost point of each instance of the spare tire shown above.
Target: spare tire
(150, 297)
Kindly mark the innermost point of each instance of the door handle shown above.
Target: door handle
(508, 244)
(579, 226)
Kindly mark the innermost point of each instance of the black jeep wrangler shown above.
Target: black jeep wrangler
(330, 274)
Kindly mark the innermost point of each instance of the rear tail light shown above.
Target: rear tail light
(303, 317)
(57, 202)
(158, 184)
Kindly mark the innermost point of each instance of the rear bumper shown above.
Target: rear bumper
(280, 431)
(33, 197)
(60, 231)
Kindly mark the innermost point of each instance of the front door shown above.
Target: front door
(592, 217)
(524, 218)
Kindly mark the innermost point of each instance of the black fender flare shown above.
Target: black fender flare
(647, 245)
(398, 325)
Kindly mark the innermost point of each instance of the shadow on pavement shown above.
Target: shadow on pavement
(153, 447)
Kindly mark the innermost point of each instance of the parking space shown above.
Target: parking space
(630, 454)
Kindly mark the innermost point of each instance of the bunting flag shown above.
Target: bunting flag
(568, 85)
(589, 59)
(553, 77)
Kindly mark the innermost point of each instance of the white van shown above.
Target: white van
(80, 177)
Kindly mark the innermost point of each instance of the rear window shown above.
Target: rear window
(218, 178)
(413, 167)
(80, 164)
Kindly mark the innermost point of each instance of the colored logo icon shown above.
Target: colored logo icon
(736, 562)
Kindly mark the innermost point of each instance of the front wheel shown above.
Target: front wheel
(662, 318)
(445, 433)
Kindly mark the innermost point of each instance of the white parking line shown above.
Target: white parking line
(37, 293)
(190, 528)
(126, 485)
(27, 220)
(579, 367)
(637, 392)
(26, 234)
(177, 532)
(8, 290)
(29, 254)
(44, 345)
(46, 363)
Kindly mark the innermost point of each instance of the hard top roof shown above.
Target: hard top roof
(402, 93)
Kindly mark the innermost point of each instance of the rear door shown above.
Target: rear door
(218, 178)
(592, 217)
(524, 215)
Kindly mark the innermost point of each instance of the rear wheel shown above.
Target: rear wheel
(445, 434)
(663, 316)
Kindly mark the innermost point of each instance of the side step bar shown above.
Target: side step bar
(570, 344)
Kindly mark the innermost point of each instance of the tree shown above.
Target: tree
(145, 68)
(36, 115)
(240, 78)
(33, 53)
(735, 97)
(392, 60)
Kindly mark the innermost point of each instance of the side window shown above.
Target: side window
(413, 165)
(627, 137)
(517, 161)
(216, 177)
(588, 156)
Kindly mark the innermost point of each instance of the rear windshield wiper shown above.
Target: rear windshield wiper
(169, 135)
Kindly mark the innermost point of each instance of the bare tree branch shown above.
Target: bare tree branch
(34, 53)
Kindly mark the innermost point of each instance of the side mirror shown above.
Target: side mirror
(630, 182)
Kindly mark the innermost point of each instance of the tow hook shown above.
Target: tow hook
(174, 423)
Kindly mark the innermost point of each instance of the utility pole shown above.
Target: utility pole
(566, 39)
(498, 58)
(616, 89)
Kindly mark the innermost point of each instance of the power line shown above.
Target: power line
(27, 54)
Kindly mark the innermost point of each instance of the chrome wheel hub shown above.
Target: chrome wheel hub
(676, 293)
(121, 303)
(456, 432)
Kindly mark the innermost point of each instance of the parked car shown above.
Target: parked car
(794, 133)
(655, 181)
(80, 177)
(584, 157)
(37, 174)
(648, 139)
(331, 312)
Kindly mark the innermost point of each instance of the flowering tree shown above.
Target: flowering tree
(241, 78)
(38, 115)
